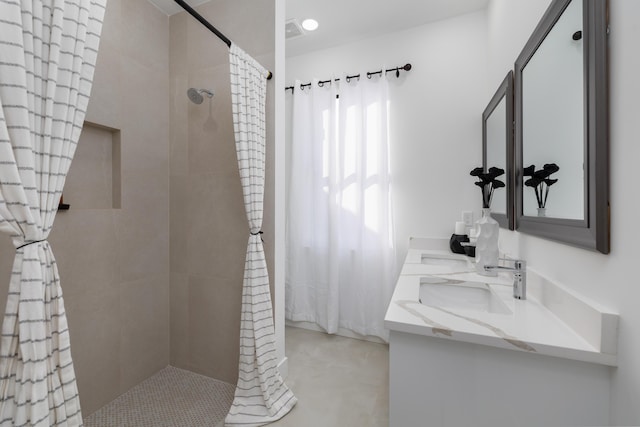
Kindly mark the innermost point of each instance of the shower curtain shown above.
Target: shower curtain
(341, 265)
(48, 51)
(261, 395)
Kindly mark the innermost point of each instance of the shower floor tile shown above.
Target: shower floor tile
(171, 398)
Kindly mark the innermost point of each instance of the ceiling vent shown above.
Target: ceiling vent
(293, 29)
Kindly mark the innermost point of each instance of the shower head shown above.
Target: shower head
(195, 95)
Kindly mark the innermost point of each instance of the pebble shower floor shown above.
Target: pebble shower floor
(171, 398)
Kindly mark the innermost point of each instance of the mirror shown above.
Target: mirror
(497, 148)
(555, 135)
(561, 132)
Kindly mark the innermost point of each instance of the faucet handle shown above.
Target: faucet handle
(519, 264)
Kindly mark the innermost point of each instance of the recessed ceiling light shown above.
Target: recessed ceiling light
(310, 24)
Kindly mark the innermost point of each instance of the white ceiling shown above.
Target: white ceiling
(170, 7)
(344, 21)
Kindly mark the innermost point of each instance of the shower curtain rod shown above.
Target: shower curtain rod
(321, 83)
(210, 27)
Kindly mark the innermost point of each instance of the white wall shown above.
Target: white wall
(607, 279)
(458, 64)
(279, 191)
(435, 114)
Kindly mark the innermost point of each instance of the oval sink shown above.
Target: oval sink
(430, 259)
(460, 295)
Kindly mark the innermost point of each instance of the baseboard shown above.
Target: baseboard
(341, 331)
(283, 367)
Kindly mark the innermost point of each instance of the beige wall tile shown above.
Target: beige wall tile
(179, 254)
(90, 179)
(216, 224)
(217, 229)
(179, 124)
(142, 247)
(85, 247)
(214, 326)
(124, 309)
(144, 339)
(112, 24)
(106, 92)
(95, 329)
(211, 136)
(114, 263)
(7, 253)
(145, 30)
(178, 42)
(143, 223)
(203, 48)
(247, 23)
(145, 134)
(179, 320)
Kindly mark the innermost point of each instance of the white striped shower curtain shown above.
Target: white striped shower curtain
(261, 395)
(48, 51)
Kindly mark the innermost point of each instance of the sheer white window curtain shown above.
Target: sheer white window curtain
(340, 244)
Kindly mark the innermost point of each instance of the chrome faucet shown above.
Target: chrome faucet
(519, 270)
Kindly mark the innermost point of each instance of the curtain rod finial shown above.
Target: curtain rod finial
(270, 75)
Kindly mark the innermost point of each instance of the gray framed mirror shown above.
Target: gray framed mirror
(497, 149)
(561, 127)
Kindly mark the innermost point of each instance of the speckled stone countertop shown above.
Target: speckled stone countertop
(552, 321)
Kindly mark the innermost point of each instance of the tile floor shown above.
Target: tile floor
(339, 382)
(171, 398)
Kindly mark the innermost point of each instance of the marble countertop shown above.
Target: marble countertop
(552, 320)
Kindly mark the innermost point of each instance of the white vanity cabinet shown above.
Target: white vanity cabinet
(545, 361)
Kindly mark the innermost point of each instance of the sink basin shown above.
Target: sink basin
(430, 259)
(460, 295)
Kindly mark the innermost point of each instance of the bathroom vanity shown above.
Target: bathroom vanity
(464, 352)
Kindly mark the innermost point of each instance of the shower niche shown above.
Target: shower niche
(94, 180)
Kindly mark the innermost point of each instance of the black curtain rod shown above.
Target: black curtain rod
(210, 27)
(321, 83)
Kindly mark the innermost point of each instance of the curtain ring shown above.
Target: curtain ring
(348, 79)
(320, 83)
(369, 75)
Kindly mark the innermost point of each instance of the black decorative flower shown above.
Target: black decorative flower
(476, 171)
(540, 181)
(487, 182)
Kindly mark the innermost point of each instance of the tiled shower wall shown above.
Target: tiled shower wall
(112, 246)
(209, 230)
(151, 253)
